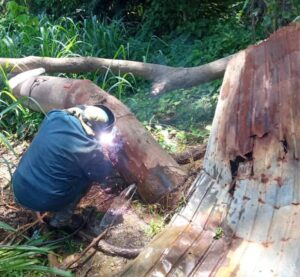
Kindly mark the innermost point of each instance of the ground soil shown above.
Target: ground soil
(131, 231)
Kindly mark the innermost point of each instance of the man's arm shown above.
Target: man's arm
(96, 166)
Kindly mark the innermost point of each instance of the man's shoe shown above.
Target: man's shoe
(75, 224)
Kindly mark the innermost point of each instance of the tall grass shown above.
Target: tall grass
(25, 258)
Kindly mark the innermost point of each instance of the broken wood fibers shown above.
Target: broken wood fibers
(140, 160)
(250, 184)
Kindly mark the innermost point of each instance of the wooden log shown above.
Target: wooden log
(141, 160)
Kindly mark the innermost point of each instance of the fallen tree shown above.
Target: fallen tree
(163, 78)
(139, 160)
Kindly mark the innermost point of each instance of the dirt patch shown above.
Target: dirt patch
(130, 233)
(12, 214)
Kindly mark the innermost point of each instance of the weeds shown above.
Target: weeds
(155, 227)
(219, 233)
(24, 257)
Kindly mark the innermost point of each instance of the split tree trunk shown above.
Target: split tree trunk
(141, 160)
(163, 78)
(250, 185)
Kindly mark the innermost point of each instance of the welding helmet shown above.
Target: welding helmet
(98, 117)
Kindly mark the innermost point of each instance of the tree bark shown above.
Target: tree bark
(140, 160)
(163, 78)
(250, 185)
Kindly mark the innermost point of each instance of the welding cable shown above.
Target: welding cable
(55, 241)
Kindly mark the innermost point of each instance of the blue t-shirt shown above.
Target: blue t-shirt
(59, 165)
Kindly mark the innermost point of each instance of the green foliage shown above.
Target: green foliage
(17, 27)
(18, 16)
(165, 17)
(58, 8)
(167, 117)
(155, 226)
(219, 233)
(269, 15)
(26, 259)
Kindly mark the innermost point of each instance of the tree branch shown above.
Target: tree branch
(164, 78)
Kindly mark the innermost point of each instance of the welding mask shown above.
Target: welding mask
(99, 118)
(94, 119)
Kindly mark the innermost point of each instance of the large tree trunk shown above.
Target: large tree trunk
(163, 78)
(141, 160)
(250, 184)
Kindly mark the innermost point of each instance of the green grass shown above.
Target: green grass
(166, 117)
(155, 227)
(25, 258)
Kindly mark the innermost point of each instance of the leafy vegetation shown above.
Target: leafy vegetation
(155, 227)
(26, 259)
(219, 233)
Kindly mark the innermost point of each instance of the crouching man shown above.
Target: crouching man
(62, 161)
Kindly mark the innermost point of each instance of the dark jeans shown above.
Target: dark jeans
(64, 217)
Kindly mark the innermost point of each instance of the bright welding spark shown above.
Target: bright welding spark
(106, 138)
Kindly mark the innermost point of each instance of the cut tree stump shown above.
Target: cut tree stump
(140, 160)
(250, 185)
